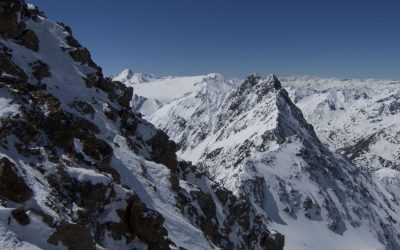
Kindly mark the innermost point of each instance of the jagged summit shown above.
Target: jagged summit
(274, 81)
(125, 74)
(255, 79)
(256, 142)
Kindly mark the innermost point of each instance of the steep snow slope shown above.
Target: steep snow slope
(253, 140)
(80, 170)
(357, 118)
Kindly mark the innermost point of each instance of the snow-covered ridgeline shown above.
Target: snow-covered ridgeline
(256, 142)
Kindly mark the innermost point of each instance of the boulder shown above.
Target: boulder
(29, 39)
(147, 224)
(40, 70)
(83, 56)
(73, 236)
(19, 214)
(12, 186)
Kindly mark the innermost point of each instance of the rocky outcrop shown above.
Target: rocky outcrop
(73, 236)
(147, 224)
(201, 204)
(12, 26)
(19, 214)
(12, 186)
(28, 39)
(13, 73)
(10, 18)
(40, 70)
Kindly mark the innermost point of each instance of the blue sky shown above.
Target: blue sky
(335, 38)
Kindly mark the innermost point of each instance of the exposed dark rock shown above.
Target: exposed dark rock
(250, 81)
(10, 14)
(40, 70)
(274, 242)
(12, 186)
(83, 56)
(66, 28)
(206, 203)
(111, 113)
(83, 107)
(222, 194)
(29, 39)
(33, 12)
(19, 214)
(126, 98)
(274, 81)
(8, 67)
(90, 80)
(147, 224)
(97, 149)
(164, 151)
(73, 236)
(208, 223)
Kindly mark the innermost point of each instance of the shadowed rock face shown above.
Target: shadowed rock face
(12, 186)
(29, 40)
(73, 236)
(147, 224)
(19, 214)
(10, 15)
(11, 25)
(40, 70)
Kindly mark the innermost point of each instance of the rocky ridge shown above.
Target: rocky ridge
(81, 170)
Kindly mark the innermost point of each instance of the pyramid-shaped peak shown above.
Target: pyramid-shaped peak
(274, 81)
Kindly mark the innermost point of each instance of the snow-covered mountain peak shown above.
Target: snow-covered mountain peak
(256, 142)
(124, 75)
(274, 81)
(159, 91)
(128, 77)
(257, 81)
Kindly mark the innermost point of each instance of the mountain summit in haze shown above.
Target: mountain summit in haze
(128, 77)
